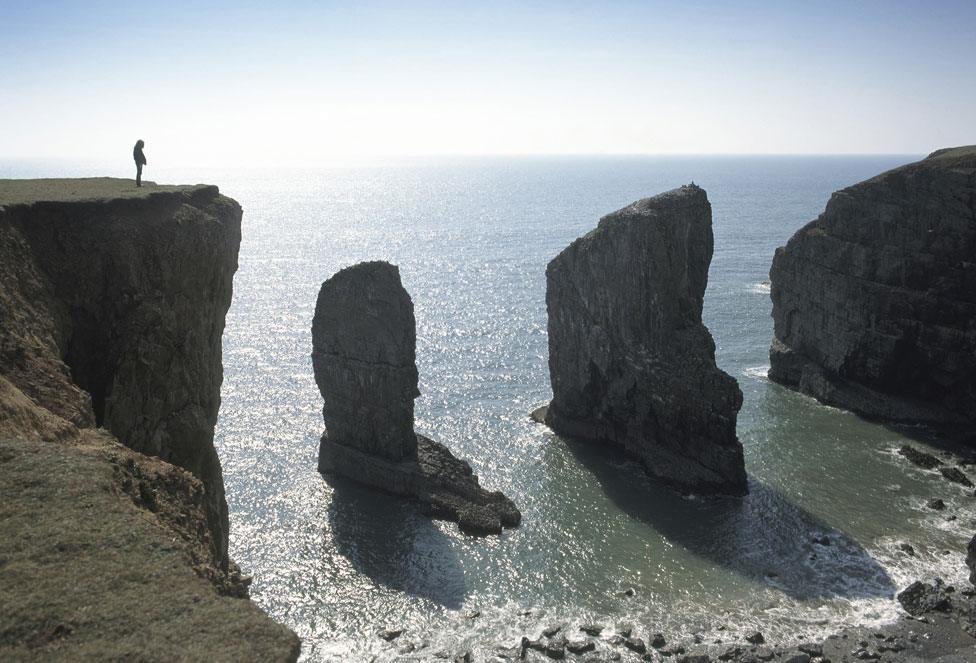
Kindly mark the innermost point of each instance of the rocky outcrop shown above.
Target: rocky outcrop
(874, 301)
(113, 313)
(630, 361)
(971, 559)
(112, 305)
(363, 354)
(921, 597)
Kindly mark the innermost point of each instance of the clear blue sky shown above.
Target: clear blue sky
(309, 82)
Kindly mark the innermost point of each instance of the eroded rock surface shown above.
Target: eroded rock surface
(363, 354)
(112, 314)
(630, 361)
(874, 302)
(112, 304)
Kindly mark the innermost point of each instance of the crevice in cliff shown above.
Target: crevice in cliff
(87, 356)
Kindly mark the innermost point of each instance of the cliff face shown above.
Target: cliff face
(363, 353)
(365, 361)
(630, 361)
(874, 302)
(112, 316)
(112, 304)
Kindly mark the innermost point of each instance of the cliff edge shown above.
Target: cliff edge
(112, 304)
(874, 302)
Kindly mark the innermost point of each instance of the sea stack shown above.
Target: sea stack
(874, 302)
(630, 361)
(363, 355)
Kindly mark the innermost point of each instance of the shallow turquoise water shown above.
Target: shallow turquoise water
(472, 238)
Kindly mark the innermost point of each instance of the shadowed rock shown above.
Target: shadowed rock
(363, 354)
(114, 543)
(630, 361)
(971, 559)
(874, 301)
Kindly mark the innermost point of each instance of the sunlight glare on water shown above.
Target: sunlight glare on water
(337, 562)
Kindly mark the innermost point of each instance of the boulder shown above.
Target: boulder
(630, 362)
(363, 355)
(920, 458)
(955, 475)
(873, 301)
(921, 597)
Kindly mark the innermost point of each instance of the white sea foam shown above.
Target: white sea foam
(760, 373)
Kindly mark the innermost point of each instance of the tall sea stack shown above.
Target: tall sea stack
(363, 355)
(874, 302)
(630, 361)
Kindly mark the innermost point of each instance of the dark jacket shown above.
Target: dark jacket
(139, 156)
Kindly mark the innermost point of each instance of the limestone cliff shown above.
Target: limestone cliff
(630, 361)
(112, 305)
(363, 354)
(874, 302)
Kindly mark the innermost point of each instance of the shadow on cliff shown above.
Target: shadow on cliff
(764, 536)
(390, 541)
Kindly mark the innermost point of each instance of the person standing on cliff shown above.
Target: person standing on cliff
(140, 158)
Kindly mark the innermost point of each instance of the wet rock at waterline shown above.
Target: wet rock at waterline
(921, 597)
(630, 361)
(873, 301)
(363, 355)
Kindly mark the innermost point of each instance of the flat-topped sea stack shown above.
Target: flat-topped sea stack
(363, 354)
(630, 361)
(113, 524)
(874, 302)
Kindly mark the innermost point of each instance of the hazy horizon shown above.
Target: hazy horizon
(327, 83)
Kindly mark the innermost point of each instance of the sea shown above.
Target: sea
(599, 541)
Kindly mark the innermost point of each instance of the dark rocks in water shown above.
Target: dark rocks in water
(955, 475)
(920, 458)
(630, 362)
(635, 645)
(821, 540)
(391, 634)
(756, 638)
(936, 504)
(730, 654)
(873, 301)
(592, 629)
(550, 631)
(658, 641)
(363, 354)
(971, 559)
(811, 648)
(920, 597)
(907, 548)
(579, 646)
(556, 648)
(695, 658)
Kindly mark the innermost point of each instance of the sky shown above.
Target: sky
(318, 82)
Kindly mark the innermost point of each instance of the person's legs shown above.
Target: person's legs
(138, 174)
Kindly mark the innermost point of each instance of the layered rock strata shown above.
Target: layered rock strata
(112, 304)
(630, 362)
(363, 355)
(874, 302)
